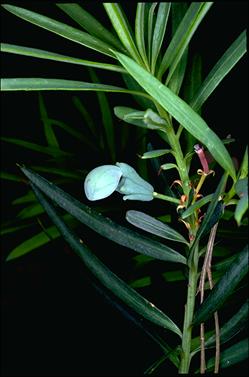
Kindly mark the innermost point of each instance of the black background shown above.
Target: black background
(54, 323)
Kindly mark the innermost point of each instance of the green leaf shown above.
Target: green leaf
(13, 229)
(140, 32)
(36, 147)
(201, 202)
(61, 29)
(48, 129)
(151, 21)
(192, 84)
(230, 356)
(131, 84)
(232, 327)
(177, 11)
(151, 225)
(87, 117)
(57, 84)
(10, 177)
(185, 31)
(159, 32)
(90, 23)
(43, 54)
(38, 240)
(122, 27)
(106, 276)
(76, 175)
(155, 153)
(32, 210)
(140, 283)
(241, 188)
(224, 65)
(102, 225)
(27, 198)
(169, 166)
(243, 171)
(222, 290)
(181, 111)
(106, 119)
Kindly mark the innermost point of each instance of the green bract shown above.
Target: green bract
(104, 180)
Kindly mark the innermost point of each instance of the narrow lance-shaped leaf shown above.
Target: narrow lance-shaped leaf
(48, 129)
(61, 29)
(241, 188)
(90, 23)
(57, 84)
(106, 276)
(222, 290)
(159, 32)
(232, 355)
(181, 111)
(151, 19)
(201, 202)
(122, 27)
(140, 32)
(150, 224)
(43, 54)
(185, 31)
(224, 65)
(103, 225)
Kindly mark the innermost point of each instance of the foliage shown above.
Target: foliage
(163, 80)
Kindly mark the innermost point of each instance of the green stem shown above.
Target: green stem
(156, 195)
(188, 316)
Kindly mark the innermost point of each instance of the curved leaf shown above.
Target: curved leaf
(61, 29)
(221, 291)
(102, 225)
(181, 111)
(106, 276)
(150, 224)
(43, 54)
(201, 202)
(140, 32)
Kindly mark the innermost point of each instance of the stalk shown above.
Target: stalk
(188, 316)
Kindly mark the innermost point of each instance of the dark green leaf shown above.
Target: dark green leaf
(106, 276)
(201, 202)
(102, 225)
(241, 188)
(48, 129)
(232, 355)
(222, 290)
(10, 177)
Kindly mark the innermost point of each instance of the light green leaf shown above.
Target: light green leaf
(222, 290)
(181, 111)
(36, 147)
(151, 21)
(232, 355)
(185, 31)
(122, 27)
(38, 240)
(243, 171)
(151, 225)
(224, 65)
(90, 23)
(155, 153)
(140, 32)
(159, 32)
(177, 11)
(57, 84)
(169, 166)
(102, 225)
(122, 290)
(42, 54)
(61, 29)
